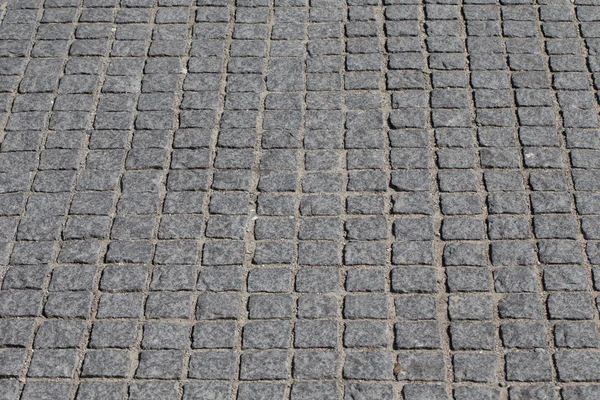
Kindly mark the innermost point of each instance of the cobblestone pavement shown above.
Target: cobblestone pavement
(305, 200)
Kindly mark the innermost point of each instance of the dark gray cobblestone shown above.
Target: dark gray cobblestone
(299, 199)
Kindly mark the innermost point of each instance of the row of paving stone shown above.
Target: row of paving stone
(305, 200)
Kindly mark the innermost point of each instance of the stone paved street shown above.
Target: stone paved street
(299, 199)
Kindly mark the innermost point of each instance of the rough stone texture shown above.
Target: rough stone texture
(299, 199)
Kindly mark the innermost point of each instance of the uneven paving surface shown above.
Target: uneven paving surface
(345, 199)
